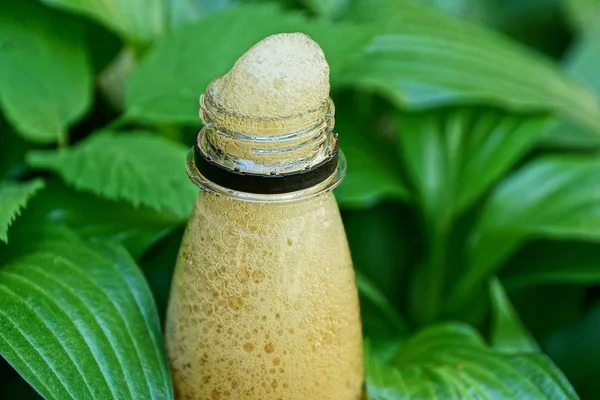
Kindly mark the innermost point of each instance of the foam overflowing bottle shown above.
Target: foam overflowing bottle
(263, 302)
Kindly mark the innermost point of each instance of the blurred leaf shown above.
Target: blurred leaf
(577, 351)
(454, 156)
(329, 8)
(45, 75)
(372, 171)
(181, 12)
(139, 167)
(136, 20)
(554, 196)
(546, 309)
(166, 85)
(583, 13)
(381, 323)
(12, 153)
(13, 198)
(426, 59)
(582, 64)
(382, 240)
(96, 218)
(472, 10)
(508, 333)
(553, 261)
(78, 321)
(451, 361)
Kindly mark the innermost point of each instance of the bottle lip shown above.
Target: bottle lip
(326, 177)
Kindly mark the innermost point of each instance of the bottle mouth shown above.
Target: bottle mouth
(257, 193)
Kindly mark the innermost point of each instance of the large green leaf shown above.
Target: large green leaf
(97, 218)
(508, 333)
(372, 174)
(77, 321)
(453, 156)
(167, 84)
(582, 63)
(425, 59)
(137, 20)
(554, 196)
(141, 20)
(139, 167)
(45, 75)
(553, 261)
(576, 349)
(13, 198)
(452, 362)
(584, 13)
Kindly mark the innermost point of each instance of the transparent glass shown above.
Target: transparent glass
(263, 301)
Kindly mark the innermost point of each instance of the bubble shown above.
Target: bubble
(258, 276)
(235, 303)
(269, 348)
(242, 275)
(248, 347)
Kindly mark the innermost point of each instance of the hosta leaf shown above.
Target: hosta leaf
(544, 262)
(137, 20)
(167, 84)
(381, 322)
(582, 63)
(554, 196)
(139, 167)
(576, 349)
(584, 13)
(77, 321)
(13, 197)
(453, 156)
(372, 174)
(425, 59)
(508, 333)
(452, 362)
(45, 75)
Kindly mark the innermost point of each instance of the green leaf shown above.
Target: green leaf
(453, 156)
(452, 362)
(78, 321)
(328, 8)
(576, 350)
(13, 198)
(427, 59)
(139, 167)
(45, 75)
(135, 20)
(181, 12)
(583, 13)
(135, 228)
(372, 174)
(166, 85)
(582, 63)
(554, 196)
(552, 262)
(508, 333)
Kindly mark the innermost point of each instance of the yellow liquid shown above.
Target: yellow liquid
(264, 305)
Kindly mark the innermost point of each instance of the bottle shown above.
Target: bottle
(263, 303)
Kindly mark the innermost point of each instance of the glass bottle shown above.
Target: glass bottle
(263, 301)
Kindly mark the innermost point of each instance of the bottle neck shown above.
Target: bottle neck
(274, 146)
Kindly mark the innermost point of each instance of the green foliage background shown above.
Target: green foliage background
(471, 204)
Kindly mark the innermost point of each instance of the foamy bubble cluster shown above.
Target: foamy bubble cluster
(281, 76)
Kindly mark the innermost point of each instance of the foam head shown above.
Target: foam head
(279, 77)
